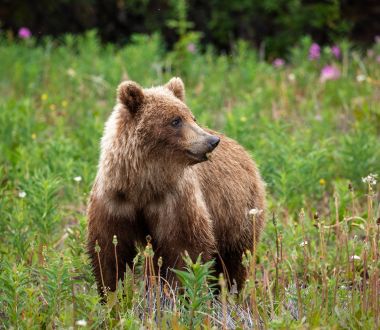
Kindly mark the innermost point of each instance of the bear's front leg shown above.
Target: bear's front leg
(109, 256)
(179, 223)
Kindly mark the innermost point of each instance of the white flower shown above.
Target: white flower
(22, 194)
(69, 230)
(361, 78)
(255, 212)
(291, 76)
(78, 179)
(370, 179)
(354, 257)
(71, 72)
(81, 323)
(304, 243)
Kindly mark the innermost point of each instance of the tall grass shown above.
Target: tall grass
(317, 264)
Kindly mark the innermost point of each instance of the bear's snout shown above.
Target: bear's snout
(213, 142)
(201, 149)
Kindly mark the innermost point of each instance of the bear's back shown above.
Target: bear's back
(231, 186)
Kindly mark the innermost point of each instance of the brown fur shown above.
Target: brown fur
(153, 179)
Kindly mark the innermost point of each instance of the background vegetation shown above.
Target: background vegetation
(274, 25)
(312, 124)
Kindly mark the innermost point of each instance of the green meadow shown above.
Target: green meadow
(315, 138)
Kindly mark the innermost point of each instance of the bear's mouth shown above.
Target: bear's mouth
(198, 158)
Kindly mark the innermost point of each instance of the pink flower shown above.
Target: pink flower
(335, 50)
(278, 63)
(329, 72)
(378, 58)
(191, 47)
(24, 33)
(314, 51)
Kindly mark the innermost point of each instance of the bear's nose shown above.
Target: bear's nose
(213, 142)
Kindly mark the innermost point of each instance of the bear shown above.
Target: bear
(161, 175)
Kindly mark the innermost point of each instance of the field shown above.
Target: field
(315, 137)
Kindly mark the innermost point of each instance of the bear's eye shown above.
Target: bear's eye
(176, 122)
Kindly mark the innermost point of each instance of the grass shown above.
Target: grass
(317, 264)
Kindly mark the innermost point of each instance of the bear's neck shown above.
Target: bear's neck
(136, 179)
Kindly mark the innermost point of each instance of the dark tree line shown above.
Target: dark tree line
(277, 23)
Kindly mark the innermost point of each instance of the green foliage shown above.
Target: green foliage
(313, 141)
(273, 25)
(197, 293)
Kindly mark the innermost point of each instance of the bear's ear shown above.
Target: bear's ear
(131, 95)
(177, 87)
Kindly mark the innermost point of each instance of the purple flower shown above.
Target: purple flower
(278, 63)
(191, 47)
(24, 33)
(329, 72)
(314, 51)
(378, 58)
(335, 50)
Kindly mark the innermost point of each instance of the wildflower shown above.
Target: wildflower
(291, 76)
(354, 257)
(377, 39)
(304, 243)
(329, 72)
(22, 194)
(64, 103)
(81, 323)
(378, 58)
(52, 107)
(360, 78)
(78, 179)
(278, 63)
(97, 247)
(255, 212)
(69, 231)
(191, 47)
(71, 72)
(314, 51)
(370, 179)
(34, 136)
(370, 53)
(335, 50)
(159, 262)
(322, 182)
(44, 97)
(24, 33)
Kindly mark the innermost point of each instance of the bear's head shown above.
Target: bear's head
(157, 123)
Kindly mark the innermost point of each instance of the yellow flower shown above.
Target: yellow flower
(322, 182)
(34, 136)
(52, 107)
(64, 103)
(44, 97)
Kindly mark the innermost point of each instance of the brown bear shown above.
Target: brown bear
(156, 177)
